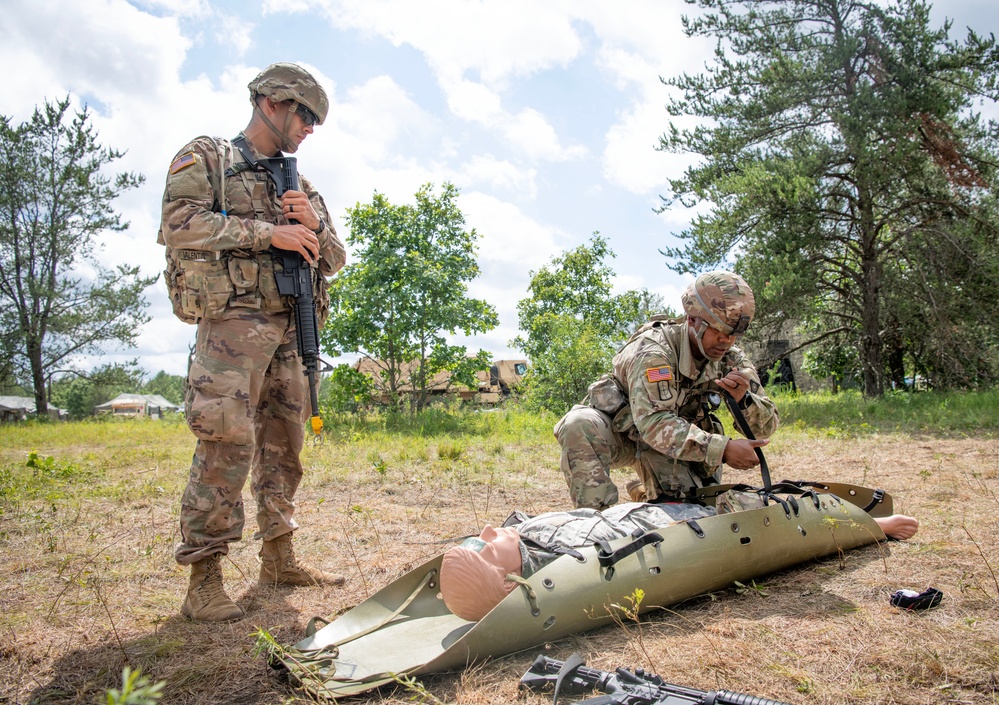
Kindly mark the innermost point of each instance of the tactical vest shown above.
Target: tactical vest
(204, 284)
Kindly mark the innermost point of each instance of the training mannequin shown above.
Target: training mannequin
(477, 575)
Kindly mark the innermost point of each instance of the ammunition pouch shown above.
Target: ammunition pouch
(199, 285)
(203, 284)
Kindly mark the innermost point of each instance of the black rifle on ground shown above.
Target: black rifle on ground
(294, 278)
(622, 687)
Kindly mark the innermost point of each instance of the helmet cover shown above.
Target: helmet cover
(284, 81)
(721, 299)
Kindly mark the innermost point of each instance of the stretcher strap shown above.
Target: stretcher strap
(608, 558)
(334, 647)
(740, 420)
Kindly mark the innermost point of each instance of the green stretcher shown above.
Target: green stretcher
(405, 629)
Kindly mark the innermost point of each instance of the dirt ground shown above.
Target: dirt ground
(88, 584)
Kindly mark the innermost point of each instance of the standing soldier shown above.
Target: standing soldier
(248, 394)
(654, 413)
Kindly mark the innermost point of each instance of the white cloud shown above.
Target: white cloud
(378, 113)
(96, 49)
(496, 39)
(496, 140)
(510, 239)
(500, 174)
(489, 40)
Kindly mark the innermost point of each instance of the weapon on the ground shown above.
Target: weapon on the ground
(295, 279)
(623, 687)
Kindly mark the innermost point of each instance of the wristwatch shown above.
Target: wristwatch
(322, 226)
(746, 401)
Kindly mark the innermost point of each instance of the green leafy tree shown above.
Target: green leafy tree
(572, 324)
(840, 145)
(345, 389)
(55, 201)
(560, 373)
(406, 291)
(576, 284)
(636, 307)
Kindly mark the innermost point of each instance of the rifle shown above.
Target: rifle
(294, 277)
(622, 687)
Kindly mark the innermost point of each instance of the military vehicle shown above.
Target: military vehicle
(494, 384)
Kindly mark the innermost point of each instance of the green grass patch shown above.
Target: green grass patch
(849, 414)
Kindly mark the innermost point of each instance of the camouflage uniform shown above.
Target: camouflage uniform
(247, 398)
(650, 415)
(585, 527)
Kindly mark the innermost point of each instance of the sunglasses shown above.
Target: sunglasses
(308, 117)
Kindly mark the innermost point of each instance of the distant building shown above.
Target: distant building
(20, 408)
(152, 405)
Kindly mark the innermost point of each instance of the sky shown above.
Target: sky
(545, 114)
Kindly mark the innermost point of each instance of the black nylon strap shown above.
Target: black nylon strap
(743, 425)
(608, 558)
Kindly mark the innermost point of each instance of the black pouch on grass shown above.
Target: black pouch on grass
(912, 600)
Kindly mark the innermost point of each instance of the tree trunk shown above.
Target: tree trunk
(38, 379)
(870, 282)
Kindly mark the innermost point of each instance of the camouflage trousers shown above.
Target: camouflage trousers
(591, 447)
(247, 402)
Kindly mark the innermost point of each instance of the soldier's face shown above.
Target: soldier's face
(714, 342)
(301, 123)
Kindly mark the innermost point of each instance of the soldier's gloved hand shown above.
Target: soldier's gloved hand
(296, 206)
(735, 383)
(740, 454)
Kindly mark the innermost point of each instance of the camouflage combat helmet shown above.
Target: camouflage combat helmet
(284, 81)
(721, 299)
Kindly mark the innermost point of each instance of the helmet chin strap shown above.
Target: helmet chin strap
(283, 140)
(699, 337)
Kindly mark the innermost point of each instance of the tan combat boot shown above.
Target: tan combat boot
(206, 600)
(635, 490)
(278, 566)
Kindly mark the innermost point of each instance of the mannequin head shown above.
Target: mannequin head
(473, 575)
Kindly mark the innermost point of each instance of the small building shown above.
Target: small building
(20, 408)
(151, 405)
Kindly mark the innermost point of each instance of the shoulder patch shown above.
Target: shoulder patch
(659, 374)
(182, 162)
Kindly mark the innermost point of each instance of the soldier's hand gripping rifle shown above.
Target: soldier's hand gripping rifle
(622, 687)
(294, 278)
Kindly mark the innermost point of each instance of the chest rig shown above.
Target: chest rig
(205, 284)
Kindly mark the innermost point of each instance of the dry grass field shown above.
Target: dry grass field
(88, 522)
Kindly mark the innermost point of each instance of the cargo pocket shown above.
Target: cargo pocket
(216, 409)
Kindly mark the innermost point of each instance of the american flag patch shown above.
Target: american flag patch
(185, 160)
(659, 374)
